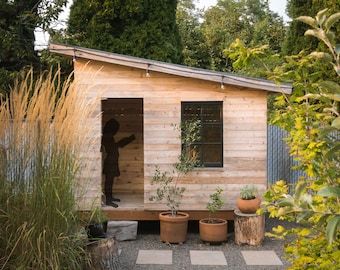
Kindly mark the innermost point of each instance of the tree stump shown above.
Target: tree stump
(104, 254)
(249, 228)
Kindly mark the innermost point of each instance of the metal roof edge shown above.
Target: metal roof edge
(174, 69)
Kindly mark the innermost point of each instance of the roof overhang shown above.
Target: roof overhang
(173, 69)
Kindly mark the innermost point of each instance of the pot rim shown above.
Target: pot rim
(166, 216)
(256, 198)
(203, 221)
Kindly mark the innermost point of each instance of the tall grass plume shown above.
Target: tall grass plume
(42, 134)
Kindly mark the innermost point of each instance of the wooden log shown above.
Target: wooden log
(104, 254)
(249, 228)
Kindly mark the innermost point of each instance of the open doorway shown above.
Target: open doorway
(122, 151)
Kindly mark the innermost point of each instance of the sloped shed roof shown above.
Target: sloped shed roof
(173, 69)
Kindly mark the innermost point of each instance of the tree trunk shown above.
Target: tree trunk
(249, 228)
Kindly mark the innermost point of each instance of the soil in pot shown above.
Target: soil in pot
(173, 229)
(213, 230)
(248, 206)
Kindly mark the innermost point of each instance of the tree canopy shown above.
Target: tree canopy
(249, 20)
(18, 20)
(295, 40)
(142, 28)
(195, 50)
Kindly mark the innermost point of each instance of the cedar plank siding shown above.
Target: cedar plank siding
(244, 138)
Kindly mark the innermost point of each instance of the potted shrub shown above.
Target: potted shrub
(248, 202)
(214, 230)
(174, 224)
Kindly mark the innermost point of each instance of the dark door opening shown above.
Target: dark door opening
(124, 154)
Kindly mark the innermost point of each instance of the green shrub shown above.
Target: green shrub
(311, 117)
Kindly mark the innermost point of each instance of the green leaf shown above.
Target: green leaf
(331, 36)
(286, 202)
(334, 151)
(332, 20)
(330, 86)
(329, 192)
(300, 187)
(337, 49)
(331, 228)
(308, 20)
(303, 216)
(336, 123)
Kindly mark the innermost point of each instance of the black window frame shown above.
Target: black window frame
(201, 104)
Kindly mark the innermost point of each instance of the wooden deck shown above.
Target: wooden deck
(131, 207)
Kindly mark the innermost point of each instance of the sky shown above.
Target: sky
(278, 6)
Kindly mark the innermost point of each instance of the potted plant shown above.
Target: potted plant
(248, 202)
(174, 224)
(213, 230)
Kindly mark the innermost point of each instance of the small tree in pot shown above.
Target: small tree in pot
(174, 224)
(248, 202)
(214, 230)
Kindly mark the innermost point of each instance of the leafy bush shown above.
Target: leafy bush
(41, 138)
(311, 116)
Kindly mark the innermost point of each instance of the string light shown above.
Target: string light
(222, 84)
(147, 74)
(74, 55)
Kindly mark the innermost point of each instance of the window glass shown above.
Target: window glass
(210, 146)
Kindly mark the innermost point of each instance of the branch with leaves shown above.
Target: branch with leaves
(168, 188)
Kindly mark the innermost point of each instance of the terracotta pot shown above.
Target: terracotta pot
(173, 228)
(213, 232)
(248, 206)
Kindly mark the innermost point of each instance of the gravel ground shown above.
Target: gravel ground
(148, 238)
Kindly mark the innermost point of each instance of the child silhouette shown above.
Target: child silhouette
(111, 166)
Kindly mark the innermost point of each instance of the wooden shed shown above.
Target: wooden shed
(147, 97)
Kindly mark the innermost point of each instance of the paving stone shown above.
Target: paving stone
(207, 257)
(122, 230)
(154, 257)
(263, 257)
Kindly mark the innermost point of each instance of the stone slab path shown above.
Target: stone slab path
(147, 252)
(264, 257)
(160, 257)
(207, 258)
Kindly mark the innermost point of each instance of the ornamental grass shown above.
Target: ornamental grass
(42, 139)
